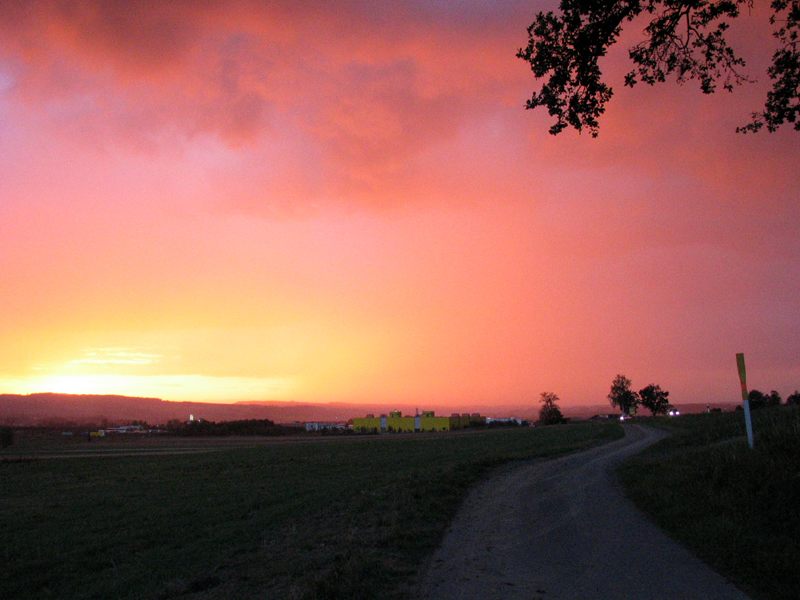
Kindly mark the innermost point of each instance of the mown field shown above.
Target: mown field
(738, 509)
(352, 518)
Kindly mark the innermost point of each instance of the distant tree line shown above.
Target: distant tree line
(656, 400)
(759, 399)
(201, 428)
(621, 395)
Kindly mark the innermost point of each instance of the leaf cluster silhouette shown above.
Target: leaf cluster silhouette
(683, 38)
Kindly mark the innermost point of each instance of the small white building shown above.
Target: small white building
(125, 429)
(505, 420)
(322, 426)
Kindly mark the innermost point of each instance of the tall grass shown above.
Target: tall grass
(352, 518)
(738, 508)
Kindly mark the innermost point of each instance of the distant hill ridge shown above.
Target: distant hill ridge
(53, 408)
(43, 408)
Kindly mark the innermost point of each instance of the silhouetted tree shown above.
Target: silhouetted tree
(655, 399)
(684, 38)
(793, 399)
(549, 412)
(757, 399)
(622, 396)
(773, 398)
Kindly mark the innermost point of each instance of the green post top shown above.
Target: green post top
(740, 364)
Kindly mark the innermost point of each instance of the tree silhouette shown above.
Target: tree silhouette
(793, 399)
(684, 38)
(655, 399)
(773, 398)
(549, 412)
(757, 399)
(622, 396)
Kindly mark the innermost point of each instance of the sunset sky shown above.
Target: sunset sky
(348, 202)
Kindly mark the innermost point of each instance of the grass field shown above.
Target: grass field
(355, 517)
(738, 509)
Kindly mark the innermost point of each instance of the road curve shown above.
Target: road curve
(563, 530)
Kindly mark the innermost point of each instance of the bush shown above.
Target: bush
(6, 437)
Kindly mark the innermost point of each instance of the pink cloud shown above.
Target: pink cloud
(380, 106)
(371, 87)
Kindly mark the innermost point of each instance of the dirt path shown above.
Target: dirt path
(562, 529)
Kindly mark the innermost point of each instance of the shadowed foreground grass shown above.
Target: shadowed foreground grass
(737, 509)
(353, 518)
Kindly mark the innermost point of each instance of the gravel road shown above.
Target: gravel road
(563, 530)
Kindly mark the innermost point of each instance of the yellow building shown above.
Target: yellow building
(477, 419)
(431, 422)
(397, 422)
(368, 424)
(427, 421)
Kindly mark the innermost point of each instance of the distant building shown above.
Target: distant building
(125, 429)
(505, 421)
(323, 426)
(427, 421)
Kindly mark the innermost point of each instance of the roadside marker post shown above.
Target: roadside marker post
(748, 423)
